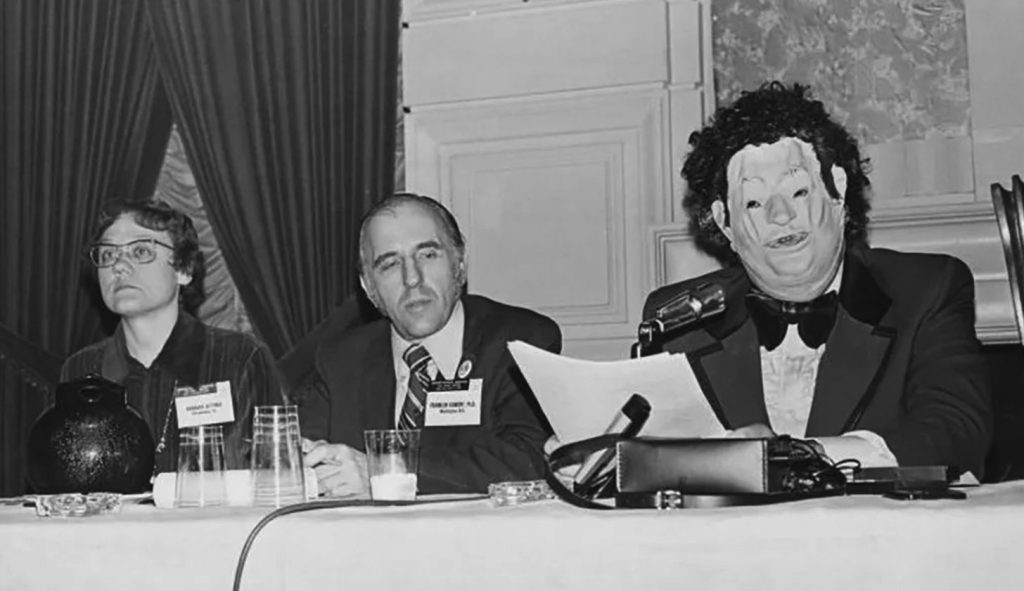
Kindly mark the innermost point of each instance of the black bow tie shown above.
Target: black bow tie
(772, 318)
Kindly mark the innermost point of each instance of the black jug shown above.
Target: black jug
(90, 440)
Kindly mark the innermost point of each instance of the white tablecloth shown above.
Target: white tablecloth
(830, 543)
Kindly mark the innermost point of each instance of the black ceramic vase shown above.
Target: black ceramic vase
(90, 440)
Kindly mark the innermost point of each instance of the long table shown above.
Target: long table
(831, 543)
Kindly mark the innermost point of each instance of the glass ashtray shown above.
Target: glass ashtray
(76, 504)
(504, 494)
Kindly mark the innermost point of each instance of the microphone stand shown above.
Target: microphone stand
(686, 308)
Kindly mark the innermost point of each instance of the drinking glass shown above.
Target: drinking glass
(200, 477)
(277, 456)
(392, 459)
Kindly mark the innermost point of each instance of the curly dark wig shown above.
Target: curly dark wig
(764, 116)
(161, 217)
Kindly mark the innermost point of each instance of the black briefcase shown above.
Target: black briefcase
(666, 473)
(673, 473)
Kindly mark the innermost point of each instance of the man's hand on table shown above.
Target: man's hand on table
(340, 470)
(762, 431)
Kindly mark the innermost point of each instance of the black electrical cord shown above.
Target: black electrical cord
(813, 470)
(324, 504)
(280, 512)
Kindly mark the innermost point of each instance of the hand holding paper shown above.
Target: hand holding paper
(580, 397)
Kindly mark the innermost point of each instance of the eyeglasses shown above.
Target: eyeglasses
(139, 252)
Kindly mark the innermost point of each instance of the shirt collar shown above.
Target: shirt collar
(181, 354)
(444, 346)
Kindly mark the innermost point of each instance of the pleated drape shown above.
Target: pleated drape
(84, 119)
(287, 112)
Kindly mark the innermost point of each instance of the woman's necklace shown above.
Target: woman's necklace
(162, 444)
(163, 432)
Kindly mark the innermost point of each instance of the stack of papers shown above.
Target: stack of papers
(581, 398)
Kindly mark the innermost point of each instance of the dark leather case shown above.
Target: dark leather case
(694, 466)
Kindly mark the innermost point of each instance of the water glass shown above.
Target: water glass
(277, 456)
(392, 460)
(200, 478)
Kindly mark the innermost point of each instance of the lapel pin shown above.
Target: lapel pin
(464, 368)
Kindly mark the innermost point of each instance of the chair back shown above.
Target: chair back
(1009, 206)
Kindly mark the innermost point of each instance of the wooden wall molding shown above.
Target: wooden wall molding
(541, 48)
(555, 130)
(578, 176)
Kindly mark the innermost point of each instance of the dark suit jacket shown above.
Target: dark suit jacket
(902, 361)
(358, 369)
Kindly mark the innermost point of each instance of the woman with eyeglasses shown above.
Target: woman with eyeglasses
(150, 273)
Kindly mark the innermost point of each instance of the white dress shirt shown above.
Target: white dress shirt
(789, 374)
(444, 346)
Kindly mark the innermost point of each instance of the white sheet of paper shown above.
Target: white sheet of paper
(581, 397)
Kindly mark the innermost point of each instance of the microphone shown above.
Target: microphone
(707, 299)
(593, 475)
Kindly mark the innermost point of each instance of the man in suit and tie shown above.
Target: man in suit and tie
(379, 376)
(869, 351)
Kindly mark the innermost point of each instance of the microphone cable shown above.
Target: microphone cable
(316, 505)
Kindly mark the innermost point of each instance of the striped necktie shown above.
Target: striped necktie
(418, 359)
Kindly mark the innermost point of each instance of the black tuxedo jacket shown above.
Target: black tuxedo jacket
(358, 369)
(902, 360)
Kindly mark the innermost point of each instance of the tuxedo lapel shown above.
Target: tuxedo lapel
(854, 356)
(725, 355)
(855, 353)
(736, 395)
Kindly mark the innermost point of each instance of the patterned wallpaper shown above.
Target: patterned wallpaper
(889, 69)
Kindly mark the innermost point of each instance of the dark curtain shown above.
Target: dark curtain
(287, 111)
(84, 120)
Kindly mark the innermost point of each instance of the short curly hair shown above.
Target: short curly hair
(161, 217)
(764, 116)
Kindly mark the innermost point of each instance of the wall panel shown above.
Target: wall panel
(535, 51)
(553, 195)
(555, 131)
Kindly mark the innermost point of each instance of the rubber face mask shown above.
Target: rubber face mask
(782, 222)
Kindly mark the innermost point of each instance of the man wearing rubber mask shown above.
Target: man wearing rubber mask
(870, 352)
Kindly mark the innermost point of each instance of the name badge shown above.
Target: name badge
(452, 403)
(208, 405)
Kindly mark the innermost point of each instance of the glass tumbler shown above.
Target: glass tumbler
(200, 478)
(277, 457)
(392, 460)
